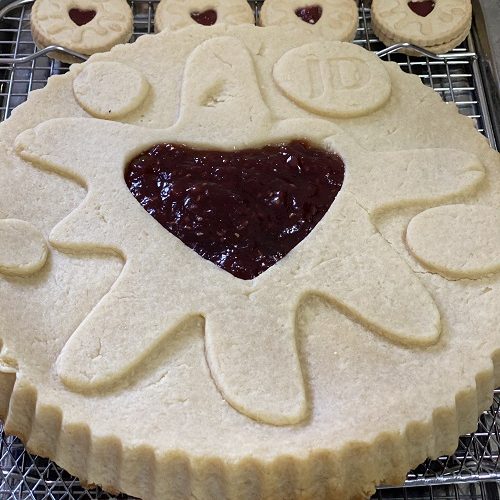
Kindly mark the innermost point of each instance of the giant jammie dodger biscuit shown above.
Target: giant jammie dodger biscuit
(142, 362)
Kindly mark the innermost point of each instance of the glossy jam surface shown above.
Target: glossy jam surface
(311, 14)
(423, 8)
(81, 17)
(242, 210)
(207, 17)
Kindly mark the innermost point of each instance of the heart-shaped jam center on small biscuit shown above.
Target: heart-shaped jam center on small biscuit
(207, 17)
(423, 8)
(311, 14)
(81, 17)
(242, 210)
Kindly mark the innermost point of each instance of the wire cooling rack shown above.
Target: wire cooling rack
(473, 472)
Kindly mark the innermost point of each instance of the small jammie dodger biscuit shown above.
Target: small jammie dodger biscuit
(176, 14)
(436, 25)
(93, 26)
(331, 19)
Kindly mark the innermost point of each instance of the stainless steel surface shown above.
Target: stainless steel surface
(473, 472)
(455, 76)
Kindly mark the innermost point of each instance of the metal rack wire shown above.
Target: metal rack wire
(473, 472)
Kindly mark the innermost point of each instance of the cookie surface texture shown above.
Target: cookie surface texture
(23, 250)
(87, 27)
(437, 26)
(176, 14)
(248, 388)
(331, 19)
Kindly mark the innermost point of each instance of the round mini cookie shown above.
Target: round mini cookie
(332, 19)
(93, 26)
(438, 26)
(176, 14)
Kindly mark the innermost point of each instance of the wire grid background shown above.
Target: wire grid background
(472, 473)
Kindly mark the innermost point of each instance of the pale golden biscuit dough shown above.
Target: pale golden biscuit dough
(445, 27)
(52, 25)
(176, 14)
(243, 388)
(460, 241)
(23, 249)
(109, 90)
(339, 19)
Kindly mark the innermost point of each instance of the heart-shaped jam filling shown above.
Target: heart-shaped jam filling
(207, 17)
(311, 14)
(423, 8)
(81, 17)
(242, 210)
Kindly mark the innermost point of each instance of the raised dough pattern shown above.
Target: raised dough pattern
(351, 82)
(458, 241)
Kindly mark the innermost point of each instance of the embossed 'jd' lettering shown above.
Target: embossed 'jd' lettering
(335, 73)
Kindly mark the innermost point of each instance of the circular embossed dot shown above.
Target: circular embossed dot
(459, 241)
(23, 249)
(109, 89)
(333, 78)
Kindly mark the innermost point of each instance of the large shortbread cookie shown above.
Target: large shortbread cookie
(138, 364)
